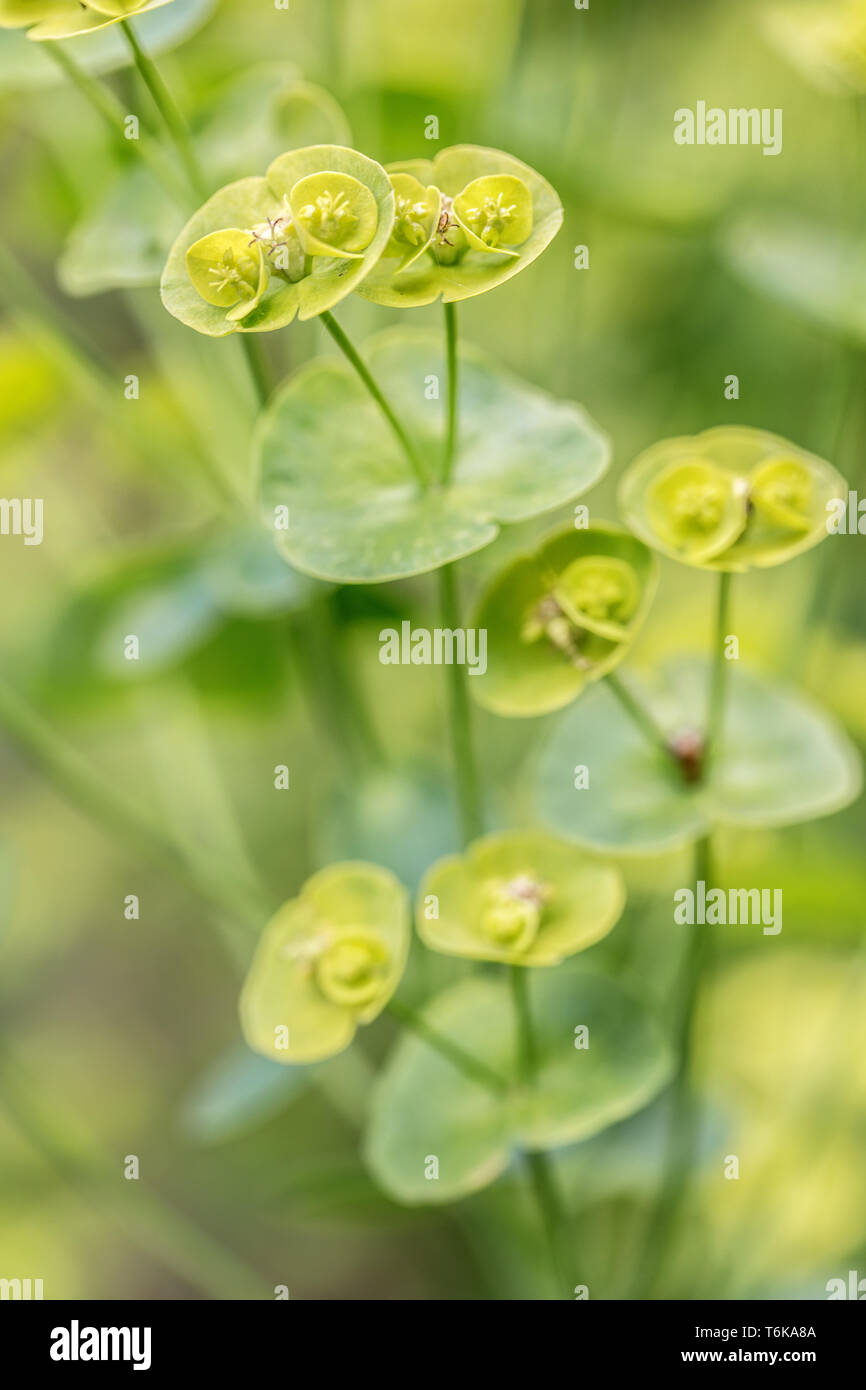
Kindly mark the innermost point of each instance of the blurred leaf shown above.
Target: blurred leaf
(424, 1107)
(123, 239)
(23, 65)
(782, 761)
(357, 515)
(239, 1091)
(815, 270)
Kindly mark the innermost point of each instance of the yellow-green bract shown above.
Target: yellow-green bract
(328, 961)
(562, 617)
(63, 19)
(466, 221)
(521, 898)
(320, 219)
(730, 498)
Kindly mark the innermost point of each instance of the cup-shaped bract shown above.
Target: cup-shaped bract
(562, 617)
(328, 961)
(521, 898)
(319, 220)
(64, 19)
(494, 216)
(731, 498)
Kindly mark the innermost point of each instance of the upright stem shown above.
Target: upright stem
(255, 361)
(109, 110)
(346, 347)
(554, 1217)
(168, 110)
(719, 670)
(466, 779)
(470, 1066)
(453, 391)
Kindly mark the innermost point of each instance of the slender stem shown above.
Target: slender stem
(719, 670)
(453, 392)
(109, 109)
(466, 778)
(168, 110)
(145, 1219)
(345, 345)
(71, 772)
(682, 1130)
(470, 1066)
(638, 713)
(551, 1209)
(255, 360)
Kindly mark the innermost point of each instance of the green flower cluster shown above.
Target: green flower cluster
(64, 19)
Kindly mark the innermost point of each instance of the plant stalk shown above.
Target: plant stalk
(719, 671)
(466, 778)
(638, 714)
(346, 346)
(168, 110)
(453, 393)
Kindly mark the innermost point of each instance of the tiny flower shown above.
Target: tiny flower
(730, 498)
(229, 271)
(495, 213)
(328, 961)
(521, 898)
(335, 214)
(561, 617)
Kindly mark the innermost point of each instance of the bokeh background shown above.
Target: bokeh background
(120, 1037)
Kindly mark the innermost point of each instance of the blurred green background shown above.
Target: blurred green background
(119, 1036)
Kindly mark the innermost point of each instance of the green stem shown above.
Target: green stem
(719, 670)
(466, 778)
(470, 1066)
(453, 391)
(638, 714)
(168, 110)
(72, 774)
(258, 370)
(682, 1131)
(145, 1219)
(110, 111)
(346, 347)
(551, 1208)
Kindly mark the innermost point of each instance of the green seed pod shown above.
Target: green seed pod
(561, 618)
(729, 499)
(328, 961)
(335, 215)
(495, 213)
(229, 270)
(496, 216)
(521, 898)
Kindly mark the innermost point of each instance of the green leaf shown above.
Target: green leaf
(356, 512)
(329, 960)
(562, 617)
(458, 264)
(730, 498)
(423, 1107)
(780, 761)
(521, 898)
(315, 282)
(239, 1091)
(123, 240)
(816, 270)
(66, 19)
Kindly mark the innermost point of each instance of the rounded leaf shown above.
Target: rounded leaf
(522, 898)
(491, 203)
(730, 498)
(65, 19)
(562, 617)
(780, 760)
(358, 515)
(423, 1106)
(330, 959)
